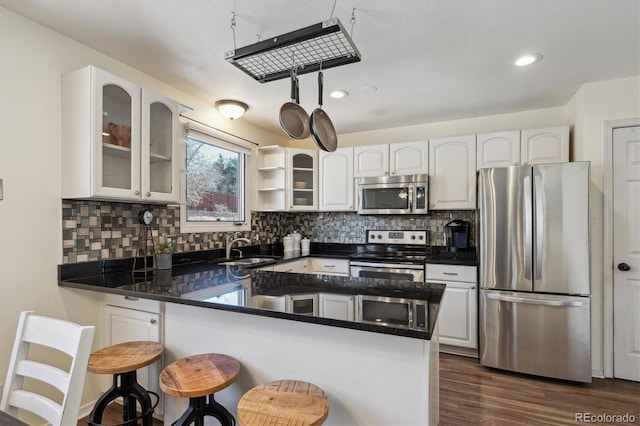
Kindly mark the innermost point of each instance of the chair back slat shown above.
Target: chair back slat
(64, 336)
(38, 404)
(45, 373)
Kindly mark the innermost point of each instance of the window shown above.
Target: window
(215, 182)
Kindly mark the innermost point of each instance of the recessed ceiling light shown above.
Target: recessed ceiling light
(339, 94)
(368, 89)
(528, 59)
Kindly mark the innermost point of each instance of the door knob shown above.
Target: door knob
(624, 267)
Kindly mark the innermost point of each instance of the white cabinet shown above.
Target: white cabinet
(336, 186)
(287, 179)
(129, 319)
(458, 314)
(501, 149)
(119, 141)
(532, 146)
(406, 158)
(337, 306)
(302, 179)
(409, 158)
(452, 165)
(546, 145)
(294, 266)
(371, 160)
(329, 266)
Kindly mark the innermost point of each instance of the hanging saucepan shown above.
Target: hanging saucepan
(294, 120)
(322, 130)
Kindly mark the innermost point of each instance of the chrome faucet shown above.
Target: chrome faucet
(230, 241)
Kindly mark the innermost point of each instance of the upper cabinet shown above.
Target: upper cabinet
(336, 184)
(371, 160)
(501, 149)
(547, 145)
(409, 158)
(287, 179)
(533, 146)
(406, 158)
(119, 140)
(302, 179)
(452, 162)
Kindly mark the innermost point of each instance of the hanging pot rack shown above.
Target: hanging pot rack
(325, 45)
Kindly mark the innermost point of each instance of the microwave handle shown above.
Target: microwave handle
(412, 193)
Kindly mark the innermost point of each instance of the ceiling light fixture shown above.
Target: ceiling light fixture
(231, 109)
(338, 94)
(528, 59)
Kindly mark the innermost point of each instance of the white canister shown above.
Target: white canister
(305, 244)
(297, 237)
(288, 243)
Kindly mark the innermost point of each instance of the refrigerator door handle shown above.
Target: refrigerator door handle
(517, 299)
(539, 227)
(528, 228)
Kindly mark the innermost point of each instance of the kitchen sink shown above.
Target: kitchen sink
(248, 261)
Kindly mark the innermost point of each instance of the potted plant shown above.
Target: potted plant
(162, 258)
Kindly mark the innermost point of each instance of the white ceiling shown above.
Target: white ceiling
(431, 61)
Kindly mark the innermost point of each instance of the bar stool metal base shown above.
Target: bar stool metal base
(199, 407)
(131, 392)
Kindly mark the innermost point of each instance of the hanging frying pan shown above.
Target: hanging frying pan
(322, 130)
(294, 120)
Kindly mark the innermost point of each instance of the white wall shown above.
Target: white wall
(590, 107)
(32, 60)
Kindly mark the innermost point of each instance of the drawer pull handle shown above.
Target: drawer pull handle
(133, 299)
(450, 273)
(329, 266)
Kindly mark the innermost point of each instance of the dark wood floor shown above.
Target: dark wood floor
(474, 395)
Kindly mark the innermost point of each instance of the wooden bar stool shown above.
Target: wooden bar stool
(198, 377)
(122, 360)
(283, 402)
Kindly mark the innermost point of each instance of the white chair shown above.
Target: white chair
(64, 336)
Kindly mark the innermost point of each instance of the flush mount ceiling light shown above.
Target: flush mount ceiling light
(231, 109)
(320, 46)
(338, 94)
(528, 59)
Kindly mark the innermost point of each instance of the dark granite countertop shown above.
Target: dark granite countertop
(442, 256)
(210, 284)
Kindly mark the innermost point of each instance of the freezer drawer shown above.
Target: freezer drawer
(544, 335)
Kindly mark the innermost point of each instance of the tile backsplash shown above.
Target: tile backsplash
(95, 230)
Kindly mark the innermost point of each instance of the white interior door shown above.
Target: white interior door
(626, 253)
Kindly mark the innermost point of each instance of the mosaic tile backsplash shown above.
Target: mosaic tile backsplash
(95, 230)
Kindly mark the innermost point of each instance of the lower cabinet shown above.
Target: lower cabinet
(337, 306)
(458, 316)
(329, 266)
(123, 323)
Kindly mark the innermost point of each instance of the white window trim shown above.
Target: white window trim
(210, 135)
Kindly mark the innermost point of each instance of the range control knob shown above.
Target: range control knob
(413, 237)
(379, 236)
(421, 237)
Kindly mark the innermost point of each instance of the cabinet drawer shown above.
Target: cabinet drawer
(441, 272)
(131, 302)
(318, 265)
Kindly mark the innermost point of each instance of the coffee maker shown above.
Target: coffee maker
(456, 235)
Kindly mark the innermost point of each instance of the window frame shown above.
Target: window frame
(225, 141)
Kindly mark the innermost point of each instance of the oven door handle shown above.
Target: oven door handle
(383, 266)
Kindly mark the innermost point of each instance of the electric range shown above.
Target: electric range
(392, 254)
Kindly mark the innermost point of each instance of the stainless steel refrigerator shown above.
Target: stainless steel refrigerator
(534, 270)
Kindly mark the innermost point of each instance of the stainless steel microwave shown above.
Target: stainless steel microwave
(406, 194)
(393, 312)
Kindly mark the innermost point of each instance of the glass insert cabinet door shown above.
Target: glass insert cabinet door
(117, 171)
(303, 179)
(159, 177)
